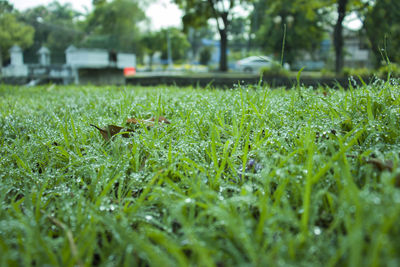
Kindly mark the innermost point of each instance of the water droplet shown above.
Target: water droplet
(317, 231)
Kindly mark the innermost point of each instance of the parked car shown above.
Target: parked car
(256, 63)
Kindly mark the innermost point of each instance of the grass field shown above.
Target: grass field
(243, 177)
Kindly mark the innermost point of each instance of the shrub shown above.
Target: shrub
(327, 73)
(274, 70)
(363, 72)
(205, 56)
(392, 68)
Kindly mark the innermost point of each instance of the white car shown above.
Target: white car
(256, 63)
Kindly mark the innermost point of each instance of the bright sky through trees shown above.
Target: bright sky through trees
(162, 13)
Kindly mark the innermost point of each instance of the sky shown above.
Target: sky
(162, 13)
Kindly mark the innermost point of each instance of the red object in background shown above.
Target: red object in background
(129, 72)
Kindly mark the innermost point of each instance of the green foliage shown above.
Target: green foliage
(304, 30)
(205, 56)
(363, 72)
(114, 25)
(392, 69)
(383, 72)
(327, 73)
(151, 43)
(275, 70)
(158, 41)
(55, 27)
(382, 25)
(243, 177)
(13, 32)
(179, 43)
(198, 13)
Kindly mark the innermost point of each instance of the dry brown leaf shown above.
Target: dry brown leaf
(133, 121)
(148, 123)
(111, 130)
(161, 119)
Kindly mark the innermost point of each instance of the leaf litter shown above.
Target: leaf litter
(111, 130)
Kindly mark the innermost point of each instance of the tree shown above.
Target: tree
(205, 56)
(239, 35)
(318, 11)
(197, 14)
(179, 43)
(151, 43)
(114, 25)
(55, 27)
(12, 31)
(286, 26)
(382, 25)
(344, 7)
(196, 37)
(158, 41)
(338, 34)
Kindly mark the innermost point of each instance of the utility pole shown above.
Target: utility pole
(170, 64)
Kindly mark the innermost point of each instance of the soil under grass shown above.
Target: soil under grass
(243, 177)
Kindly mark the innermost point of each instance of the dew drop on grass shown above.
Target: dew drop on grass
(317, 231)
(188, 200)
(148, 217)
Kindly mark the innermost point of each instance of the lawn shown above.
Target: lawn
(250, 176)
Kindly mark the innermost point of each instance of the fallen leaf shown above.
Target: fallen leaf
(112, 130)
(148, 123)
(133, 121)
(161, 119)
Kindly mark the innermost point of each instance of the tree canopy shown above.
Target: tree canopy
(197, 14)
(114, 25)
(56, 27)
(382, 25)
(12, 31)
(295, 27)
(158, 42)
(299, 25)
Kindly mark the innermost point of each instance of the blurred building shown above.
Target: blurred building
(82, 66)
(356, 51)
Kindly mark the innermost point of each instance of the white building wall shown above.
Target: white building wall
(126, 60)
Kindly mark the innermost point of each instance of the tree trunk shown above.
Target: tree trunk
(223, 49)
(223, 33)
(338, 35)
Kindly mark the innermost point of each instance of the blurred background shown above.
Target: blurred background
(325, 37)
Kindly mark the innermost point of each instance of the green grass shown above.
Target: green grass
(247, 177)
